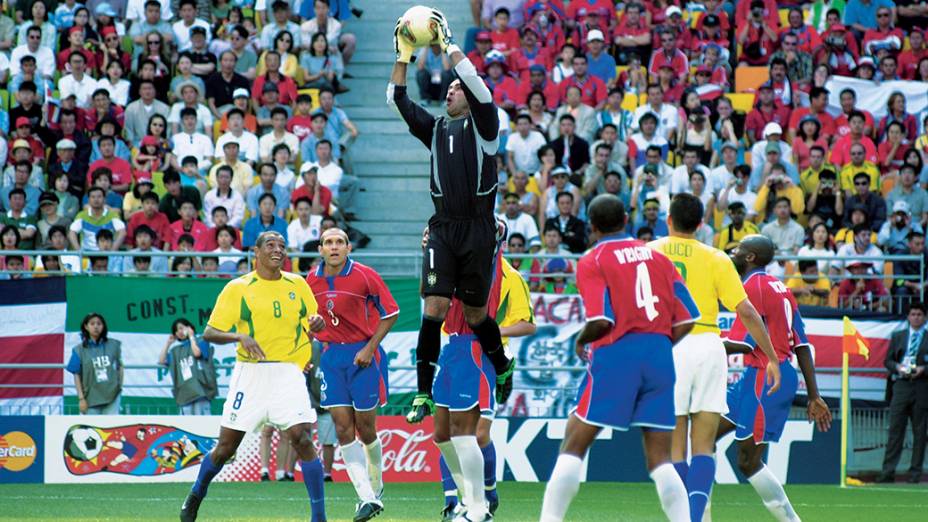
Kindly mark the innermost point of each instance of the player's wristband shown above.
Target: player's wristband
(452, 48)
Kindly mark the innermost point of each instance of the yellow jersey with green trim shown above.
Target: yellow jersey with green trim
(710, 277)
(274, 312)
(509, 302)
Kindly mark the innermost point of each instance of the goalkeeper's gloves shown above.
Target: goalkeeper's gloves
(444, 30)
(403, 49)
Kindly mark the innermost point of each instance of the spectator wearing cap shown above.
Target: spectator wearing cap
(911, 57)
(23, 134)
(686, 40)
(666, 116)
(280, 21)
(76, 45)
(264, 221)
(713, 8)
(765, 111)
(856, 125)
(825, 199)
(858, 292)
(584, 116)
(650, 217)
(632, 35)
(505, 38)
(78, 83)
(731, 234)
(858, 165)
(223, 195)
(243, 173)
(785, 233)
(893, 235)
(247, 141)
(132, 203)
(339, 42)
(31, 46)
(139, 112)
(772, 134)
(529, 54)
(65, 161)
(909, 191)
(593, 90)
(516, 220)
(601, 64)
(482, 45)
(504, 87)
(49, 217)
(538, 82)
(188, 20)
(668, 53)
(190, 96)
(772, 156)
(22, 152)
(713, 38)
(222, 84)
(154, 219)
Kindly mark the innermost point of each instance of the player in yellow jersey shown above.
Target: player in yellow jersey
(700, 363)
(271, 314)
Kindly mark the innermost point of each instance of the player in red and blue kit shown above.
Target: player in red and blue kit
(756, 415)
(359, 311)
(636, 308)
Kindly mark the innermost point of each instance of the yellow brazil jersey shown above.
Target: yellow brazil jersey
(710, 277)
(515, 303)
(275, 313)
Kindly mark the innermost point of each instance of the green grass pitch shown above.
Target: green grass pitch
(521, 502)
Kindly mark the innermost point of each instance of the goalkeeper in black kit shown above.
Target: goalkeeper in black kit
(462, 238)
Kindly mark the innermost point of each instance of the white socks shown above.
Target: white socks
(562, 487)
(279, 474)
(470, 460)
(771, 492)
(672, 492)
(374, 452)
(356, 466)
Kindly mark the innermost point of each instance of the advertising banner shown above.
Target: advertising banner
(22, 443)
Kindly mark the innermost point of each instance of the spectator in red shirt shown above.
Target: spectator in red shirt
(285, 85)
(505, 89)
(848, 100)
(122, 171)
(300, 124)
(591, 22)
(577, 9)
(528, 54)
(188, 224)
(312, 190)
(856, 292)
(908, 60)
(24, 132)
(714, 8)
(538, 81)
(668, 53)
(76, 45)
(505, 39)
(758, 36)
(632, 34)
(841, 150)
(593, 90)
(836, 53)
(155, 220)
(818, 102)
(808, 39)
(891, 153)
(770, 13)
(220, 218)
(685, 39)
(895, 111)
(484, 44)
(885, 36)
(764, 112)
(103, 108)
(546, 24)
(711, 34)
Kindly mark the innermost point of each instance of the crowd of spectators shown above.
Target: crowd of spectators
(632, 98)
(171, 125)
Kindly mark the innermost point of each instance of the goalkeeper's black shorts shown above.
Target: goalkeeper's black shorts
(459, 259)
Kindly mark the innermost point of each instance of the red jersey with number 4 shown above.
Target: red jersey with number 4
(777, 306)
(634, 287)
(352, 302)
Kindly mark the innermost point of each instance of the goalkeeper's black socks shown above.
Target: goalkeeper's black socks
(487, 332)
(427, 353)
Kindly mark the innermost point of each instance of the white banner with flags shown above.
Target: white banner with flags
(873, 96)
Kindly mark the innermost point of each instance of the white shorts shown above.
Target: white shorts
(266, 393)
(701, 366)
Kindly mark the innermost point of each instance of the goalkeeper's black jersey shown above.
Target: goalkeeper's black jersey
(463, 163)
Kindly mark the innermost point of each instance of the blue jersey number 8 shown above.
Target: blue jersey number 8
(237, 403)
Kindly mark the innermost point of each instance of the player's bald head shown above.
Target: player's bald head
(270, 235)
(334, 231)
(607, 214)
(761, 246)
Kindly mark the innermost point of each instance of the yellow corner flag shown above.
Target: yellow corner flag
(851, 343)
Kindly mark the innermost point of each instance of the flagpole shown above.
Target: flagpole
(845, 416)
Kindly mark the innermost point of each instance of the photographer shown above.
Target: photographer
(826, 200)
(835, 53)
(894, 233)
(778, 186)
(757, 39)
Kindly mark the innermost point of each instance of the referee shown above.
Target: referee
(462, 241)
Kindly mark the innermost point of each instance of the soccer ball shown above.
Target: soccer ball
(418, 28)
(83, 443)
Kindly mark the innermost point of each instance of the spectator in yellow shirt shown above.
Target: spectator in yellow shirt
(730, 236)
(808, 179)
(812, 288)
(778, 185)
(857, 165)
(846, 234)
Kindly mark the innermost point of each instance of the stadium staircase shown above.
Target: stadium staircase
(392, 165)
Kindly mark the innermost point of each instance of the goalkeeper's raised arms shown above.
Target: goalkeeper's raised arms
(403, 49)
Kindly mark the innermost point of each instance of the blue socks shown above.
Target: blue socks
(489, 472)
(314, 479)
(682, 469)
(447, 483)
(208, 471)
(699, 484)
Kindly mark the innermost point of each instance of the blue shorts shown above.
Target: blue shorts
(629, 383)
(756, 414)
(345, 384)
(465, 377)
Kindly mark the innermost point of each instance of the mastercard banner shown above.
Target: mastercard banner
(22, 440)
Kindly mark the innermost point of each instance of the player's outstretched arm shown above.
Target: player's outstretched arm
(419, 120)
(212, 335)
(816, 409)
(755, 326)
